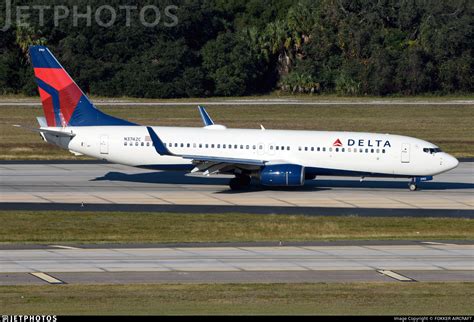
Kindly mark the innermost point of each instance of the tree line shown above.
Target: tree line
(245, 47)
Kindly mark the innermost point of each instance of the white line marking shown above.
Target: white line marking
(435, 243)
(64, 247)
(47, 278)
(395, 276)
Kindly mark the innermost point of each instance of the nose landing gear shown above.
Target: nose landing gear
(413, 185)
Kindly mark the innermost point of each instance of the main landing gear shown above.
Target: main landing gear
(412, 186)
(241, 181)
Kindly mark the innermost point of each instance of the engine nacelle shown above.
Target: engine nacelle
(282, 175)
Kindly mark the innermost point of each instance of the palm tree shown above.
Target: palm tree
(26, 37)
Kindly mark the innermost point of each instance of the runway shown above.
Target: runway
(104, 186)
(363, 263)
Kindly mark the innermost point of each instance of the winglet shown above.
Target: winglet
(205, 117)
(157, 143)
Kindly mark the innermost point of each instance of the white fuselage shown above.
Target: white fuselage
(331, 153)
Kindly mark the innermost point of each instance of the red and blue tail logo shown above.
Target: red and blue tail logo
(63, 101)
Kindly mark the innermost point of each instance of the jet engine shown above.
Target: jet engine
(282, 175)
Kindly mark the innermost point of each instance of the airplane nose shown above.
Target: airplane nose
(451, 162)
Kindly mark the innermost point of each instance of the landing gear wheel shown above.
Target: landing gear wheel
(412, 186)
(244, 180)
(240, 182)
(234, 184)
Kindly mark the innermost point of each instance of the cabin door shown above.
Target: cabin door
(104, 144)
(405, 153)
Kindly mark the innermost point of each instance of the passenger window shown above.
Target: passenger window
(200, 145)
(260, 147)
(136, 143)
(271, 147)
(319, 149)
(254, 147)
(207, 146)
(143, 144)
(235, 146)
(212, 146)
(299, 148)
(383, 150)
(330, 149)
(324, 149)
(378, 150)
(218, 146)
(241, 146)
(337, 149)
(288, 148)
(277, 148)
(188, 145)
(366, 150)
(312, 148)
(343, 150)
(194, 145)
(306, 148)
(148, 144)
(182, 145)
(223, 146)
(125, 143)
(361, 150)
(247, 147)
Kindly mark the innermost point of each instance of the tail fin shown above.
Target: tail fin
(63, 101)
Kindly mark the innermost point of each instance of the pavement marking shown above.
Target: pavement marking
(47, 278)
(64, 247)
(395, 275)
(436, 243)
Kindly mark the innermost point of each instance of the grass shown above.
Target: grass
(320, 298)
(449, 126)
(121, 227)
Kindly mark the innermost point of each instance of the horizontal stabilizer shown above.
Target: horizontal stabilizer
(46, 131)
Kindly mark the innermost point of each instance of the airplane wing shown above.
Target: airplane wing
(207, 164)
(47, 131)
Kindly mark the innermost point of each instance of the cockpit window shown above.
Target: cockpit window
(432, 150)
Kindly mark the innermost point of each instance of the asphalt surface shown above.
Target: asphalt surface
(362, 263)
(111, 187)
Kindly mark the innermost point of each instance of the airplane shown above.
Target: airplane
(272, 157)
